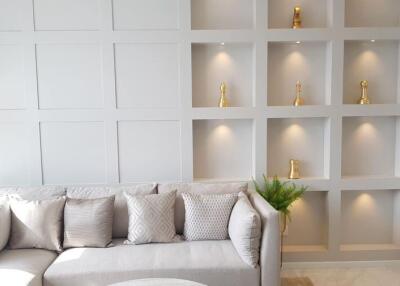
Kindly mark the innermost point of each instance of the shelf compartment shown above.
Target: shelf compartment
(375, 61)
(222, 14)
(214, 63)
(308, 229)
(314, 13)
(301, 139)
(369, 147)
(370, 220)
(222, 149)
(307, 62)
(372, 13)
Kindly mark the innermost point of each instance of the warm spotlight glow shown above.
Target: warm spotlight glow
(222, 44)
(372, 41)
(298, 42)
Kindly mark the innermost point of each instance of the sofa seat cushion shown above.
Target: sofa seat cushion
(22, 267)
(213, 263)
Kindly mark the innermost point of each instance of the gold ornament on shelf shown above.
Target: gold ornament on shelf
(223, 102)
(294, 169)
(364, 93)
(298, 100)
(296, 18)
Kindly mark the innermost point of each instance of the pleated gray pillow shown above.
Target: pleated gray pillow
(151, 218)
(36, 223)
(245, 230)
(88, 223)
(5, 222)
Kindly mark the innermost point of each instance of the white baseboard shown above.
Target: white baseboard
(339, 264)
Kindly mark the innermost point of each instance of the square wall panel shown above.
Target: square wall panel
(12, 89)
(378, 63)
(213, 64)
(135, 14)
(73, 152)
(64, 15)
(368, 147)
(300, 139)
(223, 149)
(291, 62)
(149, 151)
(222, 14)
(13, 154)
(10, 15)
(147, 75)
(69, 76)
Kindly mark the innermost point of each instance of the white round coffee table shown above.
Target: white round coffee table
(158, 282)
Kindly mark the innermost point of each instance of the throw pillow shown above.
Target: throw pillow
(207, 216)
(36, 224)
(151, 218)
(5, 222)
(88, 223)
(245, 230)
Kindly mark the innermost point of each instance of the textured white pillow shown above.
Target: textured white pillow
(207, 216)
(5, 222)
(88, 223)
(245, 230)
(151, 218)
(36, 224)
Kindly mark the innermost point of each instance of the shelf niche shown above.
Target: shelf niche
(370, 147)
(370, 220)
(222, 149)
(222, 14)
(308, 229)
(314, 13)
(372, 13)
(378, 63)
(215, 63)
(303, 139)
(289, 62)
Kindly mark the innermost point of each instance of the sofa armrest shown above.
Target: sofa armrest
(270, 258)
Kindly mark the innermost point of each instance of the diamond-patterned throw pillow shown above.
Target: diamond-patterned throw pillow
(207, 216)
(151, 218)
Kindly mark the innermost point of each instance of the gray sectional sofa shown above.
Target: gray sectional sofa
(214, 263)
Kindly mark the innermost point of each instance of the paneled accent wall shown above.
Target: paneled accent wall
(122, 91)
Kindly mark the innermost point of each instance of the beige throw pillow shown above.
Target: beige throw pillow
(245, 230)
(207, 216)
(151, 218)
(88, 223)
(5, 222)
(36, 224)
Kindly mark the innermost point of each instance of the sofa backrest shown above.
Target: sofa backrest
(121, 219)
(197, 188)
(34, 193)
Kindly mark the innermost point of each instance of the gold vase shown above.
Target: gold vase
(364, 93)
(296, 18)
(298, 100)
(294, 172)
(223, 101)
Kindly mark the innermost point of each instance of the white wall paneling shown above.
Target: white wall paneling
(376, 62)
(213, 64)
(147, 75)
(146, 15)
(111, 91)
(223, 14)
(371, 13)
(289, 62)
(222, 149)
(148, 150)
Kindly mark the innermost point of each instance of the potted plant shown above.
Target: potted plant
(280, 195)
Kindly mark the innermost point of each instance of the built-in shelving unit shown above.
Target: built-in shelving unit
(132, 81)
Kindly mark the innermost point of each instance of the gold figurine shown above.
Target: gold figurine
(223, 102)
(294, 169)
(296, 18)
(364, 93)
(298, 100)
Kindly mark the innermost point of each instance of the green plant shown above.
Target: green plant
(279, 194)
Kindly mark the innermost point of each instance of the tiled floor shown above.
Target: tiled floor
(388, 275)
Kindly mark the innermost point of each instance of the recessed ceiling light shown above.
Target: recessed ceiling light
(373, 41)
(222, 44)
(298, 42)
